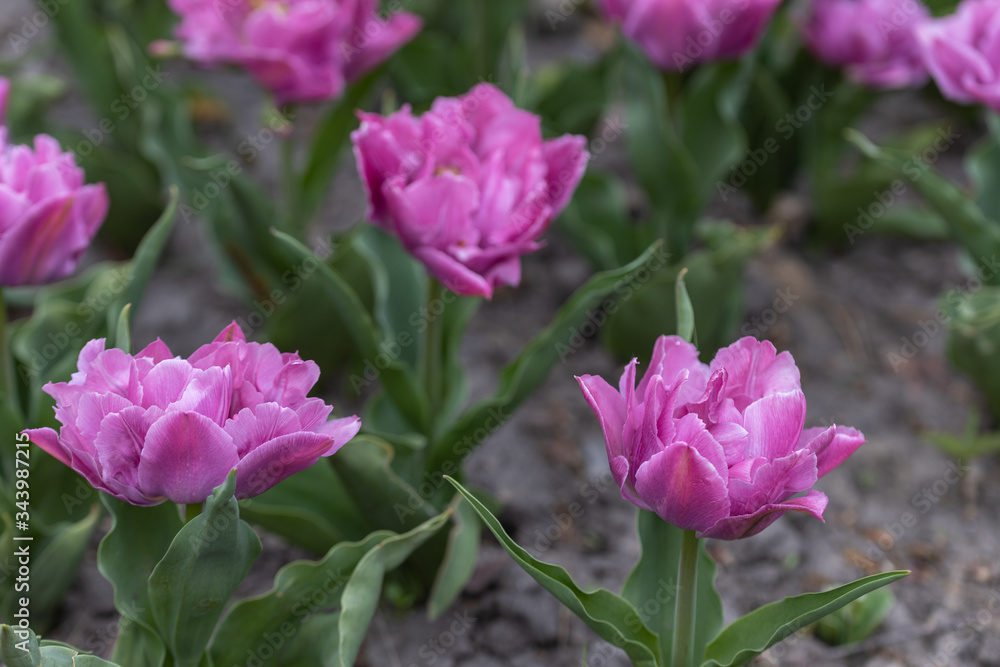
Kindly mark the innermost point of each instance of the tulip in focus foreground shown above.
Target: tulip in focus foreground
(676, 34)
(301, 50)
(962, 52)
(469, 186)
(48, 215)
(154, 427)
(875, 40)
(718, 449)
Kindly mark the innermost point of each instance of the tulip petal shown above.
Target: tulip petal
(683, 488)
(341, 431)
(609, 406)
(672, 355)
(567, 159)
(185, 456)
(273, 461)
(48, 440)
(738, 527)
(754, 370)
(831, 445)
(251, 428)
(774, 424)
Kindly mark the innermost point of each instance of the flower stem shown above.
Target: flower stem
(191, 511)
(432, 351)
(684, 615)
(290, 183)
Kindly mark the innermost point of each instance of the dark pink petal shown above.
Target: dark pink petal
(772, 482)
(831, 445)
(683, 488)
(251, 428)
(273, 461)
(341, 431)
(113, 371)
(609, 406)
(672, 355)
(691, 430)
(566, 158)
(738, 527)
(294, 382)
(208, 393)
(166, 382)
(48, 440)
(453, 274)
(389, 37)
(156, 352)
(93, 408)
(185, 456)
(119, 443)
(774, 424)
(432, 212)
(754, 370)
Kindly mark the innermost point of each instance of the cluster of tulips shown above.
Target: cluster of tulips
(187, 452)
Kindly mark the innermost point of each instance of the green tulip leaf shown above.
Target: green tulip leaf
(302, 590)
(53, 569)
(523, 375)
(191, 585)
(978, 234)
(138, 645)
(761, 629)
(685, 311)
(399, 382)
(139, 538)
(364, 587)
(326, 147)
(459, 559)
(17, 650)
(312, 508)
(610, 616)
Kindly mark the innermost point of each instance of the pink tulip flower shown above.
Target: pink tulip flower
(48, 216)
(154, 427)
(718, 449)
(875, 40)
(962, 52)
(301, 50)
(677, 34)
(469, 186)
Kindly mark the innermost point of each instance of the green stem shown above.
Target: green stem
(8, 385)
(290, 183)
(684, 615)
(191, 511)
(432, 352)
